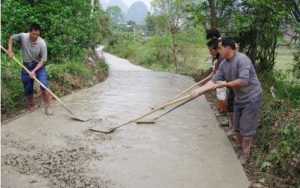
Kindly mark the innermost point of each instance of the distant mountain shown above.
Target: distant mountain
(137, 12)
(118, 3)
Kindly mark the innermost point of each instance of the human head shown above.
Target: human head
(212, 33)
(227, 46)
(212, 45)
(34, 31)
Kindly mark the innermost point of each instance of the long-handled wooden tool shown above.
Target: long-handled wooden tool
(108, 130)
(187, 90)
(73, 115)
(152, 121)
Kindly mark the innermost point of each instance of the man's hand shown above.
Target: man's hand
(220, 84)
(11, 54)
(196, 93)
(209, 85)
(32, 74)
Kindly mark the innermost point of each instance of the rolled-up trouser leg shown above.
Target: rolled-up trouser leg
(41, 75)
(28, 89)
(28, 101)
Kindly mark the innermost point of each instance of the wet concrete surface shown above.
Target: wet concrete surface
(185, 148)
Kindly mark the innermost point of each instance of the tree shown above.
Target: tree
(294, 21)
(67, 26)
(157, 24)
(115, 14)
(212, 7)
(174, 10)
(254, 23)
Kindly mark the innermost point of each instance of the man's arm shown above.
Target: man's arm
(41, 62)
(10, 47)
(38, 66)
(238, 83)
(200, 90)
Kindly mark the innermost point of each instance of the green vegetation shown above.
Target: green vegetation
(277, 150)
(63, 79)
(71, 30)
(275, 159)
(67, 26)
(175, 42)
(156, 52)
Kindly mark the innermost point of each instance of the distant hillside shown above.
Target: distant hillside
(137, 12)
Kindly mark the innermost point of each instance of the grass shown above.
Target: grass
(284, 60)
(63, 77)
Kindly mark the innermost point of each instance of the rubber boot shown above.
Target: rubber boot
(28, 102)
(231, 133)
(246, 146)
(47, 101)
(238, 144)
(222, 106)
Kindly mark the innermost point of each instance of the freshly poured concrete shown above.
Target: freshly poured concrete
(185, 148)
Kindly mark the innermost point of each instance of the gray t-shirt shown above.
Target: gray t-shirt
(36, 51)
(217, 64)
(239, 67)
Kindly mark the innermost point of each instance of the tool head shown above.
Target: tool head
(83, 119)
(104, 126)
(145, 122)
(102, 129)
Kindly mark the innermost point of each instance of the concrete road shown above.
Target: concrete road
(184, 149)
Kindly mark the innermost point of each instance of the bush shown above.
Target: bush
(123, 44)
(286, 89)
(67, 25)
(277, 150)
(63, 78)
(11, 87)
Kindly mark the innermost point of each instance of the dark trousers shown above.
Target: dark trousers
(28, 82)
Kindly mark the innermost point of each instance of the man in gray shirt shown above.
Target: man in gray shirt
(34, 51)
(238, 72)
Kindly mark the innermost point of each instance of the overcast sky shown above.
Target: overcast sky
(129, 2)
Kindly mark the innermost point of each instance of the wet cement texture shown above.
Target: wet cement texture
(185, 148)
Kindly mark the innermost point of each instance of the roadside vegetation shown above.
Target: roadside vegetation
(265, 36)
(71, 30)
(173, 40)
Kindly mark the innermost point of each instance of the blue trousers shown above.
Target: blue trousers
(28, 82)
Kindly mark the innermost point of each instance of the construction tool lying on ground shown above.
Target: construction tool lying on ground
(107, 130)
(187, 90)
(73, 115)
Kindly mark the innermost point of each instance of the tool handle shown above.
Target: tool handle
(58, 99)
(196, 84)
(181, 104)
(204, 89)
(189, 97)
(185, 91)
(152, 111)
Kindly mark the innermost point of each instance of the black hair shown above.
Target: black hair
(212, 33)
(213, 43)
(228, 41)
(35, 26)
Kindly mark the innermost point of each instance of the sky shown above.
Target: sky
(129, 2)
